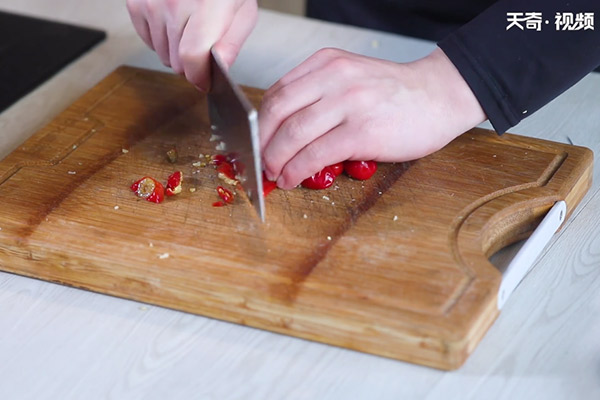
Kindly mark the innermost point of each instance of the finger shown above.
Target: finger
(193, 52)
(312, 63)
(300, 129)
(196, 41)
(331, 148)
(241, 26)
(139, 23)
(277, 106)
(158, 36)
(174, 33)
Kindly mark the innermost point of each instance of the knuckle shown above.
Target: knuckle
(360, 97)
(327, 52)
(282, 93)
(275, 105)
(294, 128)
(172, 4)
(314, 155)
(152, 7)
(271, 108)
(279, 96)
(342, 65)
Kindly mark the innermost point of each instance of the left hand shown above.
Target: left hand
(340, 106)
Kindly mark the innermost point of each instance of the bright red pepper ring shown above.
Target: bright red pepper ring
(174, 183)
(150, 189)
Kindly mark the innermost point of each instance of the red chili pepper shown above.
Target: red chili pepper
(360, 170)
(218, 204)
(225, 194)
(337, 168)
(150, 189)
(321, 180)
(218, 159)
(268, 185)
(226, 169)
(174, 183)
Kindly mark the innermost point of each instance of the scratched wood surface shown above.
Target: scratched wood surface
(396, 266)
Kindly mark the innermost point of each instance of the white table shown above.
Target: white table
(62, 343)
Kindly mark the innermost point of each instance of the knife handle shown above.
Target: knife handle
(522, 262)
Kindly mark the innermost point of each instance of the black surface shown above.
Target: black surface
(32, 50)
(512, 72)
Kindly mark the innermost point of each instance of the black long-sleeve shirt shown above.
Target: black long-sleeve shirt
(512, 72)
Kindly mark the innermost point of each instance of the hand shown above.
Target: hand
(183, 31)
(337, 106)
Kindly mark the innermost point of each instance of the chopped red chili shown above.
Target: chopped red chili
(150, 189)
(174, 183)
(268, 186)
(226, 169)
(218, 204)
(321, 180)
(225, 194)
(218, 159)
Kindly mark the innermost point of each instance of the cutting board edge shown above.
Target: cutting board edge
(439, 353)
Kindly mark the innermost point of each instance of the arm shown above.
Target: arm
(515, 72)
(338, 105)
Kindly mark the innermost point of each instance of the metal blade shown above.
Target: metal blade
(235, 122)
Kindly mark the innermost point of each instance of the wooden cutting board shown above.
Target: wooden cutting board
(396, 266)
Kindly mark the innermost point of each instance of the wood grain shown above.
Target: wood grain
(418, 288)
(100, 346)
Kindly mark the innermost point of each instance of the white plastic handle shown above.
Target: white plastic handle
(531, 249)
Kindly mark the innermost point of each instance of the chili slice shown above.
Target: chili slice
(150, 189)
(225, 194)
(174, 183)
(226, 169)
(268, 186)
(321, 180)
(218, 159)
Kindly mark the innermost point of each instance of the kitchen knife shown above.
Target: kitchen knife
(234, 122)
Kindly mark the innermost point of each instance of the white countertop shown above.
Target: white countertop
(62, 343)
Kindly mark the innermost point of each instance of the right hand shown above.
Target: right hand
(183, 31)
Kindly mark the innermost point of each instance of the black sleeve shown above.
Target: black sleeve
(515, 72)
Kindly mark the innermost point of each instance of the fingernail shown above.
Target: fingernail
(200, 88)
(269, 175)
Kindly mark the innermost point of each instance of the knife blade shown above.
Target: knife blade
(234, 121)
